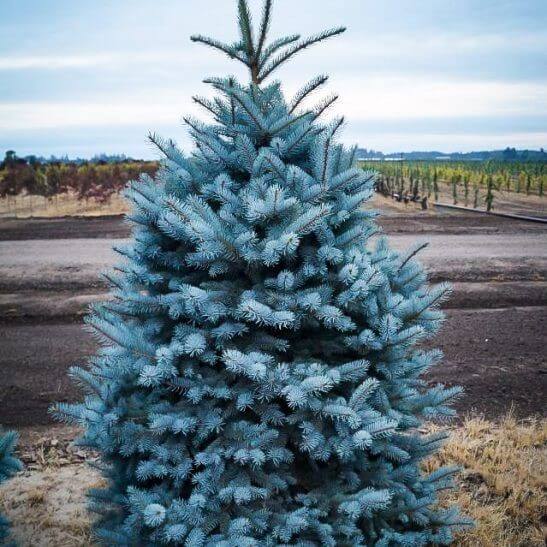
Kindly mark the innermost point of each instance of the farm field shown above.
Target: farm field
(33, 189)
(67, 204)
(29, 206)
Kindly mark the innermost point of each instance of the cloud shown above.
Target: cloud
(415, 73)
(402, 98)
(16, 116)
(55, 62)
(373, 99)
(102, 60)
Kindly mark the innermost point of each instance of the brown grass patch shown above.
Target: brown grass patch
(502, 487)
(48, 507)
(26, 206)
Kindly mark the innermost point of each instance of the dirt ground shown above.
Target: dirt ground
(497, 355)
(494, 338)
(395, 219)
(494, 342)
(504, 202)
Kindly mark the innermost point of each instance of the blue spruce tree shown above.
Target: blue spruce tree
(9, 465)
(259, 382)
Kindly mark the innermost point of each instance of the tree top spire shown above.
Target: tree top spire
(251, 49)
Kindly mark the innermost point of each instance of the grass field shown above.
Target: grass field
(501, 486)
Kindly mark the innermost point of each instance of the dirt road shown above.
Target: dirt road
(76, 263)
(440, 221)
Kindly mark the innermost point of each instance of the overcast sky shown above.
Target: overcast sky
(85, 77)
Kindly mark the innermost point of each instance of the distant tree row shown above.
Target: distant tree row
(97, 179)
(508, 154)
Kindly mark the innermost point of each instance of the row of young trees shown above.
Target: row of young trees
(92, 180)
(472, 184)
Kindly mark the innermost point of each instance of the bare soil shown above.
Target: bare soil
(393, 221)
(497, 355)
(76, 227)
(494, 338)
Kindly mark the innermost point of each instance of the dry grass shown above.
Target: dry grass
(504, 202)
(48, 507)
(25, 206)
(502, 487)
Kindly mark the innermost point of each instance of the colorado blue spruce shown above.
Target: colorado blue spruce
(260, 381)
(9, 465)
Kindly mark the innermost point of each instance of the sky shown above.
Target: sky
(88, 77)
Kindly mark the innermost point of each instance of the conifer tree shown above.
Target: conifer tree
(260, 381)
(9, 465)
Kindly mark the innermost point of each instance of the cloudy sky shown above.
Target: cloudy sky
(85, 77)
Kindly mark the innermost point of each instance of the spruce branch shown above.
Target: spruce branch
(246, 29)
(264, 26)
(274, 130)
(231, 51)
(274, 167)
(194, 125)
(205, 103)
(276, 45)
(296, 48)
(352, 154)
(326, 149)
(307, 90)
(324, 105)
(168, 148)
(256, 55)
(249, 106)
(412, 253)
(299, 139)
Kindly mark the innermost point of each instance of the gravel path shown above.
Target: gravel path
(76, 263)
